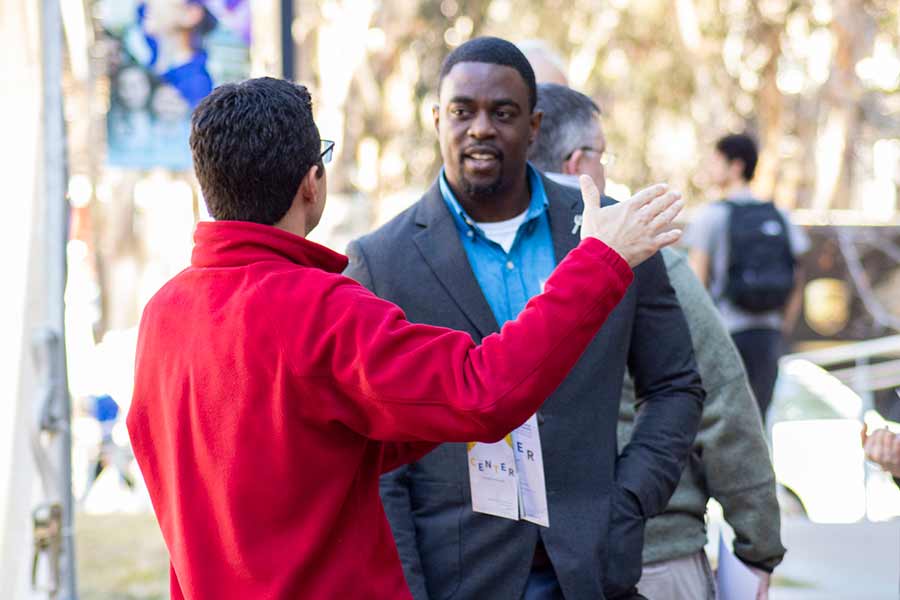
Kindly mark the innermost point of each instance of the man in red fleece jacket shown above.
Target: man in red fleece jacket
(271, 392)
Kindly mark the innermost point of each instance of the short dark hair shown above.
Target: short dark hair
(740, 146)
(253, 143)
(493, 51)
(565, 126)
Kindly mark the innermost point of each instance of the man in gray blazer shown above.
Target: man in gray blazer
(468, 255)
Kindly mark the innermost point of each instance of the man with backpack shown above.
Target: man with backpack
(745, 251)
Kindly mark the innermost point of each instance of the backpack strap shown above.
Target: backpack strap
(731, 206)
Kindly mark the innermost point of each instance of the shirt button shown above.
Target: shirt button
(510, 265)
(470, 233)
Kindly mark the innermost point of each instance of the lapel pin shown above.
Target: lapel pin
(576, 222)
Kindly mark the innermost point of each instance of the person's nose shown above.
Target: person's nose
(481, 126)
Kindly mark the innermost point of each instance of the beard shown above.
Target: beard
(482, 190)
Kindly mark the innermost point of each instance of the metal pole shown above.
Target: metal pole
(56, 236)
(287, 40)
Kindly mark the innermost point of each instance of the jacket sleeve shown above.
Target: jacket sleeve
(748, 498)
(735, 458)
(392, 380)
(394, 454)
(737, 466)
(668, 390)
(394, 484)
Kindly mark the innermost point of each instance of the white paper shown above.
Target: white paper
(530, 463)
(507, 477)
(493, 479)
(733, 578)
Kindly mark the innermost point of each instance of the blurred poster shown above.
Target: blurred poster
(166, 56)
(852, 288)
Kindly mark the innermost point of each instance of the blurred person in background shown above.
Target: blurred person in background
(745, 251)
(548, 65)
(730, 459)
(129, 122)
(169, 40)
(270, 392)
(106, 411)
(469, 254)
(171, 127)
(882, 447)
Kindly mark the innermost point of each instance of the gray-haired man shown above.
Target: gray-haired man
(730, 461)
(571, 140)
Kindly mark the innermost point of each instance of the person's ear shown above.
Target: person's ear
(535, 124)
(309, 185)
(436, 115)
(570, 166)
(736, 167)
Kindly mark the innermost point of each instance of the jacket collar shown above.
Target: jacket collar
(438, 242)
(564, 205)
(240, 243)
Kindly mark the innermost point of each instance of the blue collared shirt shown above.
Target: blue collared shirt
(508, 280)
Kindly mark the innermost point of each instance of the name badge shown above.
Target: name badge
(507, 477)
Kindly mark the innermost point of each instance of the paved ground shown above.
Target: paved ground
(860, 561)
(857, 561)
(122, 557)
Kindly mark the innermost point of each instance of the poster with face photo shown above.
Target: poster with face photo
(166, 56)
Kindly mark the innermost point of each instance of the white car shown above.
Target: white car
(814, 423)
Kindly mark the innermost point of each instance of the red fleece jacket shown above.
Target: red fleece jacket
(271, 392)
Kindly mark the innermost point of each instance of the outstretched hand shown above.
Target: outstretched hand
(636, 228)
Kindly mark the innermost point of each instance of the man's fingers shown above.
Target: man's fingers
(885, 449)
(667, 238)
(871, 445)
(895, 446)
(648, 194)
(666, 217)
(589, 192)
(661, 203)
(875, 446)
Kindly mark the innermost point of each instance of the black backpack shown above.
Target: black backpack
(761, 263)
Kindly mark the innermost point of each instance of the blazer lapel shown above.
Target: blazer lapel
(438, 241)
(564, 205)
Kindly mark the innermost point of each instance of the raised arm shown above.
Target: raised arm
(394, 380)
(399, 381)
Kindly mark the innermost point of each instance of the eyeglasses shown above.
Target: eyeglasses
(327, 151)
(606, 159)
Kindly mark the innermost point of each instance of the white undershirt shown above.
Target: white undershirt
(503, 232)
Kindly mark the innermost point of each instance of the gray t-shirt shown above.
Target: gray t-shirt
(708, 232)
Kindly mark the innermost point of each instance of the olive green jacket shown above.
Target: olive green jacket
(730, 460)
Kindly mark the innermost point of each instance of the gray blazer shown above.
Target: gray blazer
(598, 498)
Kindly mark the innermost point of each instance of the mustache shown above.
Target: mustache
(481, 149)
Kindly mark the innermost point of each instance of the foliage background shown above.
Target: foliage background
(816, 81)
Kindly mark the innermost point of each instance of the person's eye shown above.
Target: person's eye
(459, 112)
(504, 115)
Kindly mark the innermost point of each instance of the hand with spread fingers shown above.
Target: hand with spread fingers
(883, 447)
(636, 228)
